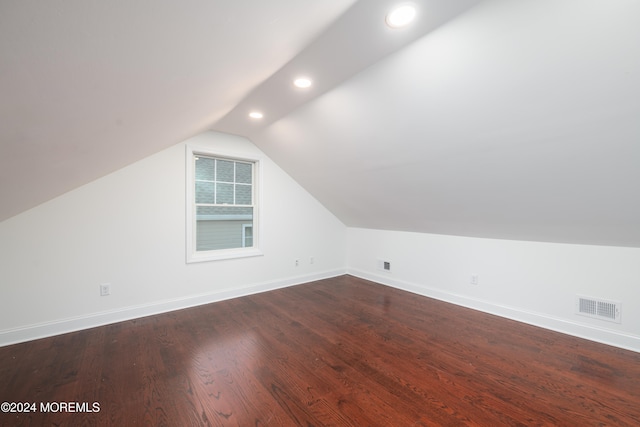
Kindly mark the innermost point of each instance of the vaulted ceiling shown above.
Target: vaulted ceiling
(503, 119)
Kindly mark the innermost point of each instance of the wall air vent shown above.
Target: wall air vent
(599, 309)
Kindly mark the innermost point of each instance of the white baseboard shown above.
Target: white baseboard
(62, 326)
(72, 324)
(589, 332)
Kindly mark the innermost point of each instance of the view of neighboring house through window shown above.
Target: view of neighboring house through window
(224, 203)
(247, 235)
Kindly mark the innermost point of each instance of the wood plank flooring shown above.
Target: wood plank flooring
(341, 351)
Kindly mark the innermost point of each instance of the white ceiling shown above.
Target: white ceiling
(505, 119)
(89, 86)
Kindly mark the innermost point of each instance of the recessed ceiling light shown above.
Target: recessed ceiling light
(401, 16)
(256, 115)
(302, 82)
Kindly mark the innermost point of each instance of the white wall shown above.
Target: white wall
(532, 282)
(128, 229)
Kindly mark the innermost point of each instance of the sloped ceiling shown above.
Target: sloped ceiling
(504, 119)
(516, 120)
(89, 86)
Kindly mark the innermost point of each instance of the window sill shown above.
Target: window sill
(218, 255)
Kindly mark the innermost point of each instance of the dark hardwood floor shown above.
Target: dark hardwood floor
(342, 351)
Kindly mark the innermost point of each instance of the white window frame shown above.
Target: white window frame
(194, 255)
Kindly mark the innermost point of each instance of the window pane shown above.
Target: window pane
(221, 227)
(205, 169)
(224, 171)
(243, 194)
(205, 192)
(243, 173)
(224, 193)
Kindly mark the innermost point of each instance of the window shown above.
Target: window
(222, 213)
(247, 235)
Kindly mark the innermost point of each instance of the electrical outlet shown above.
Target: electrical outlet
(297, 262)
(384, 265)
(311, 260)
(105, 289)
(474, 280)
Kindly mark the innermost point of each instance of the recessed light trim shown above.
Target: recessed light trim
(256, 115)
(302, 82)
(401, 16)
